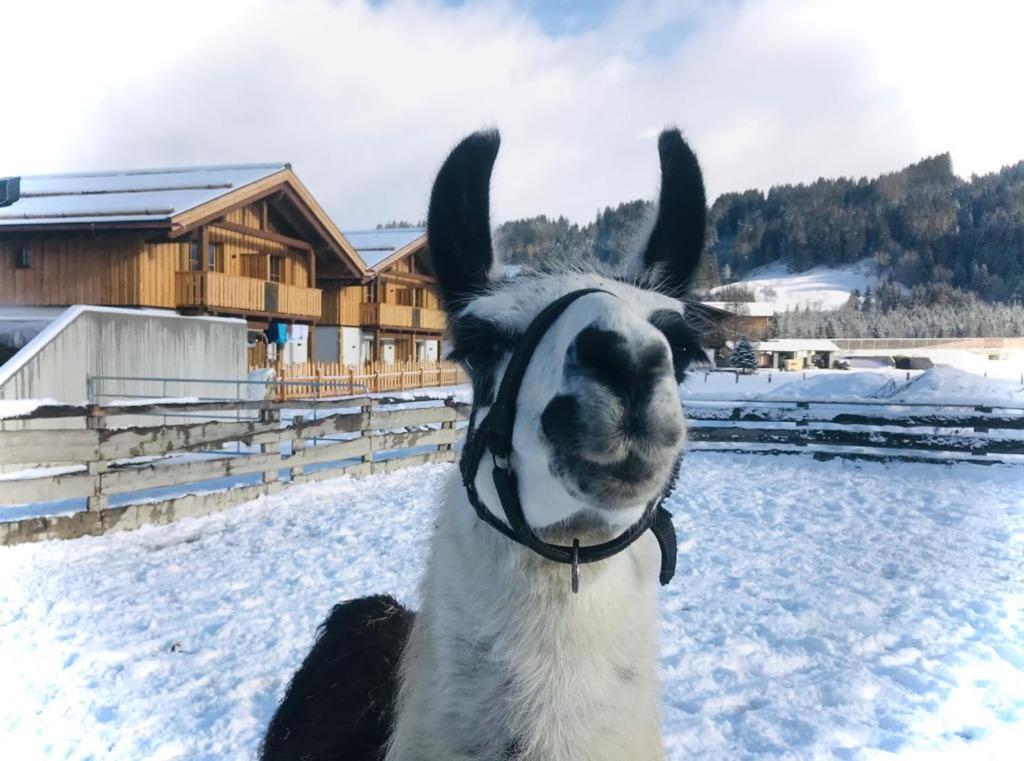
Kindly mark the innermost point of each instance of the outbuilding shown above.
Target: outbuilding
(795, 353)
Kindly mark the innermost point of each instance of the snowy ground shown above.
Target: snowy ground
(820, 610)
(817, 288)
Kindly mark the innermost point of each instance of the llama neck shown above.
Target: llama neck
(504, 662)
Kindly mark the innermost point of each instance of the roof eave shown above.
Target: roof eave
(63, 225)
(187, 220)
(398, 254)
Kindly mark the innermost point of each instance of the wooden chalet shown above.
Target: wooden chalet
(393, 313)
(724, 321)
(245, 241)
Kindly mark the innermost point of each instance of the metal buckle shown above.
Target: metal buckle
(575, 566)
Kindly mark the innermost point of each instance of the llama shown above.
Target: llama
(514, 655)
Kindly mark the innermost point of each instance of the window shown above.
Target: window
(195, 263)
(22, 258)
(213, 255)
(275, 269)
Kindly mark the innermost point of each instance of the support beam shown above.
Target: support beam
(203, 235)
(263, 235)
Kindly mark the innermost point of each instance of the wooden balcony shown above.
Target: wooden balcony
(293, 299)
(398, 316)
(245, 295)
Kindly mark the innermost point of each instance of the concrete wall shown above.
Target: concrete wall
(90, 341)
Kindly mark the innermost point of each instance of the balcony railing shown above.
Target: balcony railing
(293, 299)
(398, 316)
(215, 290)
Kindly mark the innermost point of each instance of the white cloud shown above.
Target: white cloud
(364, 101)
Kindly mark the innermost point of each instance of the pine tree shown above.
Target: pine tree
(743, 356)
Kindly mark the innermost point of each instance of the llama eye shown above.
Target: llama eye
(478, 343)
(683, 340)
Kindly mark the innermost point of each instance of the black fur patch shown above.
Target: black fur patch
(479, 345)
(629, 372)
(340, 703)
(458, 221)
(677, 240)
(682, 338)
(564, 427)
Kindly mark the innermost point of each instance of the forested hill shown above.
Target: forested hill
(922, 224)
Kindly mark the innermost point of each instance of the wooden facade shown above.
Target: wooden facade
(248, 241)
(245, 241)
(396, 302)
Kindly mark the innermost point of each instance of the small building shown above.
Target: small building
(795, 353)
(392, 314)
(722, 322)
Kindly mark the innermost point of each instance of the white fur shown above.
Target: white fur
(502, 652)
(546, 501)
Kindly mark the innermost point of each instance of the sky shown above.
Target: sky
(365, 97)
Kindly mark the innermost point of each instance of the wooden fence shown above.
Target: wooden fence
(870, 430)
(329, 438)
(326, 438)
(327, 379)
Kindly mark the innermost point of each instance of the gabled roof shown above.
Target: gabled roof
(146, 195)
(382, 248)
(176, 199)
(796, 344)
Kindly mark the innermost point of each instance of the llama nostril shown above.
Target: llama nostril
(630, 371)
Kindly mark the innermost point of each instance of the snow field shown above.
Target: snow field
(820, 610)
(818, 288)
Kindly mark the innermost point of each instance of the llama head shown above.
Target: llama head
(599, 425)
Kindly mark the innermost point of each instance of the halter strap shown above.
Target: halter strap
(495, 433)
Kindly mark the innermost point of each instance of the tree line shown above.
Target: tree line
(934, 310)
(922, 225)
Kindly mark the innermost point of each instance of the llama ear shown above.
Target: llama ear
(458, 222)
(673, 251)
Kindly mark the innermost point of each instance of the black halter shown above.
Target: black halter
(495, 433)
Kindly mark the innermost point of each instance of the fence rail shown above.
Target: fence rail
(360, 435)
(353, 436)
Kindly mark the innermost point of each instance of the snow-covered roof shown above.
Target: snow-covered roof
(747, 308)
(374, 246)
(145, 195)
(796, 344)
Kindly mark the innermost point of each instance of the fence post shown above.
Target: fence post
(298, 444)
(448, 424)
(97, 500)
(270, 447)
(367, 410)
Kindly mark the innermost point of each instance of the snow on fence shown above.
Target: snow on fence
(218, 463)
(98, 466)
(317, 379)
